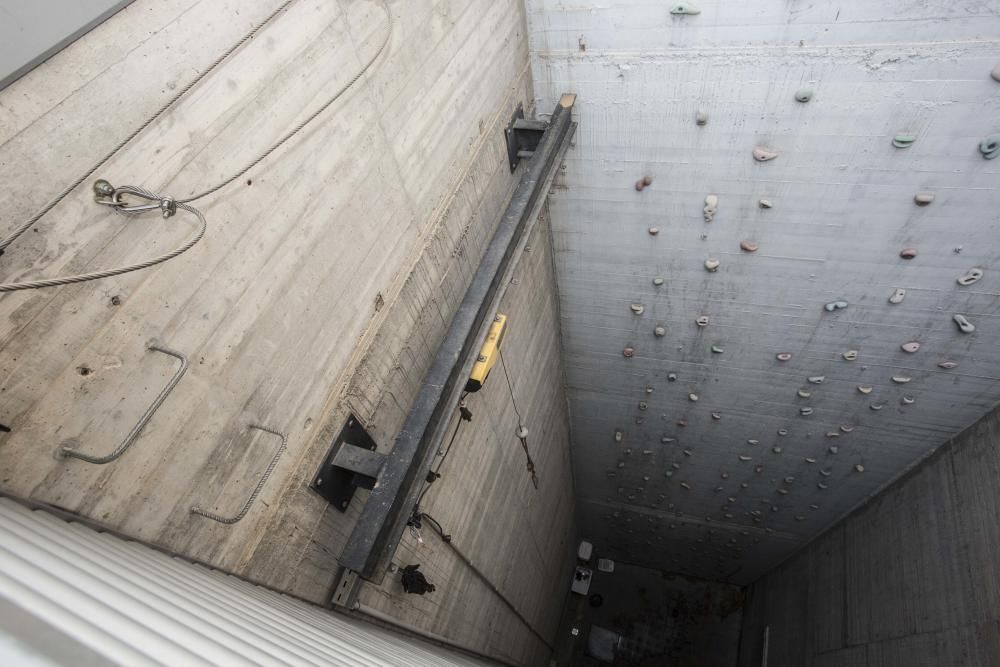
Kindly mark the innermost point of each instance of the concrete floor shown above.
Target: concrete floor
(663, 618)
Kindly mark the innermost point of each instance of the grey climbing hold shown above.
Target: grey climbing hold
(783, 492)
(814, 507)
(653, 231)
(903, 140)
(765, 203)
(667, 440)
(762, 154)
(758, 468)
(748, 246)
(901, 379)
(782, 432)
(803, 95)
(638, 308)
(971, 276)
(850, 355)
(833, 449)
(643, 405)
(910, 347)
(826, 472)
(821, 485)
(990, 146)
(712, 265)
(711, 207)
(809, 459)
(716, 416)
(658, 281)
(783, 356)
(687, 452)
(804, 393)
(789, 480)
(628, 352)
(923, 198)
(805, 412)
(908, 253)
(659, 332)
(908, 400)
(702, 321)
(964, 325)
(897, 296)
(876, 406)
(744, 457)
(685, 485)
(701, 117)
(817, 379)
(835, 305)
(865, 388)
(846, 428)
(684, 8)
(948, 365)
(693, 398)
(717, 350)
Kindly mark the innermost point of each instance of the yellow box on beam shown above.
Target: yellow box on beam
(488, 354)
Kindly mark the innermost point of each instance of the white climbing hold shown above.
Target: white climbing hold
(744, 457)
(804, 393)
(701, 117)
(810, 459)
(897, 296)
(817, 379)
(826, 472)
(638, 308)
(653, 231)
(876, 406)
(821, 485)
(717, 350)
(908, 253)
(684, 8)
(859, 467)
(618, 436)
(628, 352)
(865, 388)
(832, 434)
(716, 416)
(783, 356)
(702, 321)
(753, 442)
(782, 432)
(964, 325)
(923, 198)
(805, 412)
(846, 428)
(910, 347)
(765, 203)
(659, 332)
(908, 400)
(971, 276)
(685, 485)
(711, 207)
(803, 95)
(835, 305)
(948, 365)
(693, 398)
(658, 281)
(850, 355)
(762, 154)
(901, 379)
(687, 452)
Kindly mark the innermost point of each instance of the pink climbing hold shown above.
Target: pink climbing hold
(910, 347)
(628, 352)
(908, 253)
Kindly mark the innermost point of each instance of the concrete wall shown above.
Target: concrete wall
(323, 286)
(843, 209)
(909, 580)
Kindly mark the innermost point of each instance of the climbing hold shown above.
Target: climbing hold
(716, 416)
(990, 146)
(821, 485)
(702, 321)
(948, 365)
(923, 198)
(783, 356)
(758, 468)
(964, 325)
(748, 246)
(876, 406)
(908, 400)
(671, 377)
(744, 457)
(833, 449)
(701, 117)
(832, 434)
(826, 472)
(804, 393)
(621, 464)
(817, 379)
(618, 436)
(711, 207)
(647, 180)
(850, 355)
(628, 352)
(753, 442)
(789, 480)
(900, 379)
(995, 72)
(782, 432)
(805, 412)
(803, 95)
(908, 253)
(846, 428)
(809, 459)
(865, 388)
(693, 397)
(638, 308)
(685, 485)
(903, 140)
(643, 405)
(765, 203)
(835, 305)
(658, 281)
(684, 8)
(659, 332)
(639, 185)
(910, 347)
(717, 350)
(687, 452)
(973, 275)
(859, 467)
(653, 231)
(897, 295)
(712, 264)
(667, 440)
(762, 154)
(814, 507)
(649, 389)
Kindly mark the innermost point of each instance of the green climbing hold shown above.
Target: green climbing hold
(990, 146)
(684, 8)
(903, 140)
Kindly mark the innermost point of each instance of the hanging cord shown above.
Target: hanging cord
(111, 196)
(522, 430)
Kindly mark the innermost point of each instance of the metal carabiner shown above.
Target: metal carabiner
(108, 195)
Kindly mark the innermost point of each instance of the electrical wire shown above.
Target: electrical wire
(522, 432)
(182, 203)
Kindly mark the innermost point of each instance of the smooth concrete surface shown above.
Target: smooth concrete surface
(909, 580)
(697, 486)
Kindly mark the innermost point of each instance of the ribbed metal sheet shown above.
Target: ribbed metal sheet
(136, 606)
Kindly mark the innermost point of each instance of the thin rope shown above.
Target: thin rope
(10, 238)
(510, 387)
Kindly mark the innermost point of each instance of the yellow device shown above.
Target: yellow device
(488, 354)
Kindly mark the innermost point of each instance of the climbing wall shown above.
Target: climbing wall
(777, 258)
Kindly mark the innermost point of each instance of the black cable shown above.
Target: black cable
(510, 387)
(520, 423)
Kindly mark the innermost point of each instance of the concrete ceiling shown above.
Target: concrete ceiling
(842, 210)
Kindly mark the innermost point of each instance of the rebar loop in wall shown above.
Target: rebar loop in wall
(69, 452)
(260, 484)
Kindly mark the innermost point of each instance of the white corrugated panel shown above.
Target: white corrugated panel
(133, 605)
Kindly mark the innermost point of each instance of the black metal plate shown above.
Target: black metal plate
(335, 484)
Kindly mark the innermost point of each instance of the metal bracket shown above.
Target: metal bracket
(523, 137)
(352, 462)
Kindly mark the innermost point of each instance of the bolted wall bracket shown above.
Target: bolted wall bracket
(351, 463)
(523, 137)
